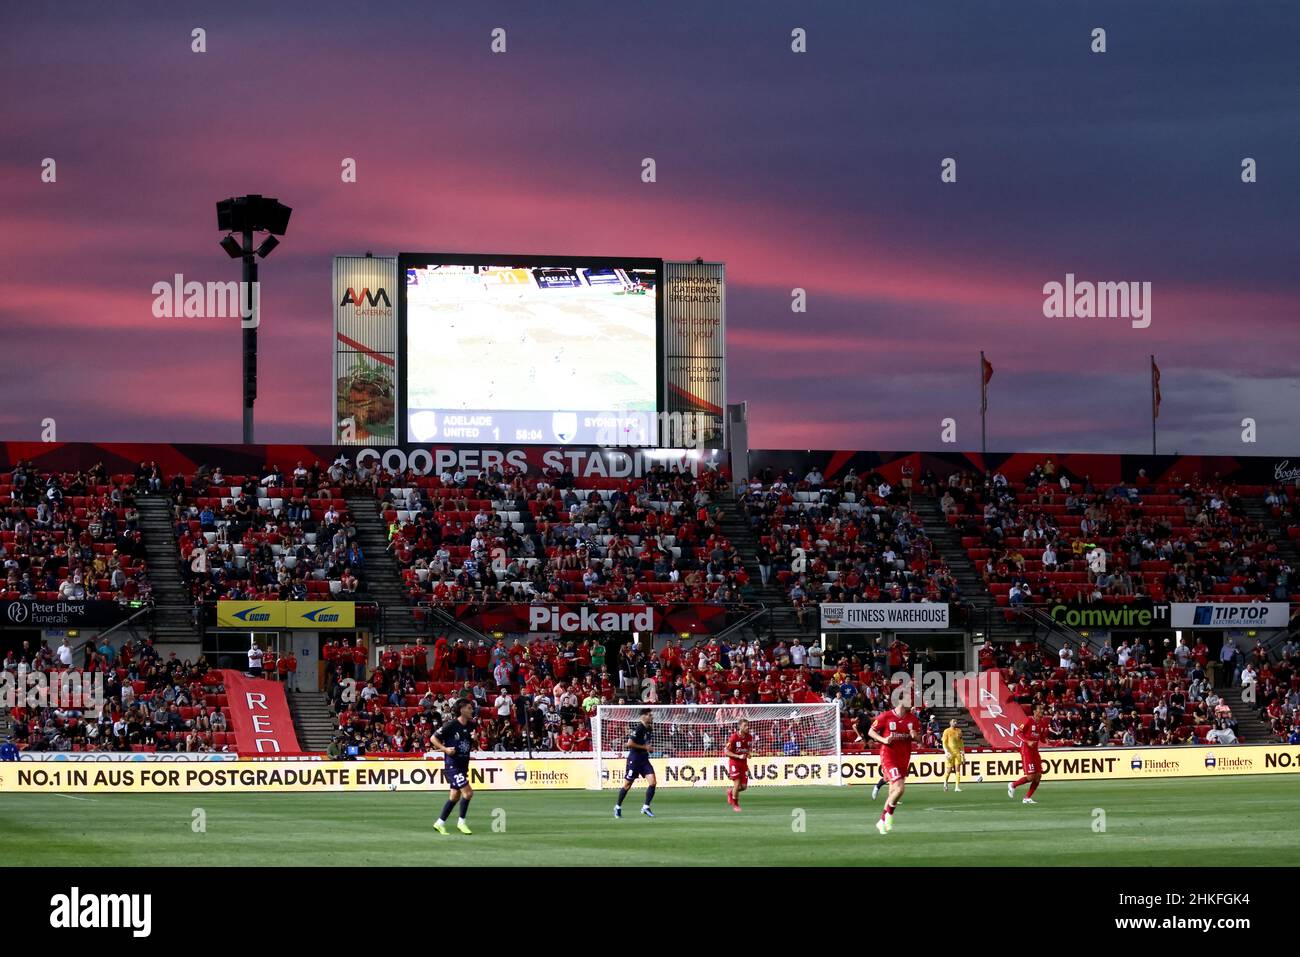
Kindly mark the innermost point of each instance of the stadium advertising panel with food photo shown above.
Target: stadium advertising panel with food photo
(365, 349)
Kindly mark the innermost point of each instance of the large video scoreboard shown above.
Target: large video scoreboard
(525, 350)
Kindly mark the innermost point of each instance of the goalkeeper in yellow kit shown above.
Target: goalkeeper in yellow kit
(954, 750)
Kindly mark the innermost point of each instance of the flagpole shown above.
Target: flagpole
(1153, 404)
(984, 404)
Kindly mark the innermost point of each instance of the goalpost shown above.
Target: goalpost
(799, 743)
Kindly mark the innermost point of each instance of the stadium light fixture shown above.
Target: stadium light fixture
(253, 213)
(240, 217)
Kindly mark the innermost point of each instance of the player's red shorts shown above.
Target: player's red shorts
(1030, 762)
(891, 772)
(739, 773)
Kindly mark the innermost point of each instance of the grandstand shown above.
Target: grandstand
(445, 567)
(653, 540)
(73, 536)
(151, 705)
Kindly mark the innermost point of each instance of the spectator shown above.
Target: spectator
(1221, 734)
(504, 705)
(798, 654)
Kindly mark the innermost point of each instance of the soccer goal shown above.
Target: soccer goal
(792, 743)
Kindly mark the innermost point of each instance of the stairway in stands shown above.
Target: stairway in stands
(1250, 728)
(383, 579)
(970, 731)
(173, 621)
(947, 543)
(781, 617)
(1257, 511)
(312, 721)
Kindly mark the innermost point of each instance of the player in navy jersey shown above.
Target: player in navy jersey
(455, 740)
(638, 764)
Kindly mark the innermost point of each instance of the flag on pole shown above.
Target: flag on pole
(1155, 388)
(987, 368)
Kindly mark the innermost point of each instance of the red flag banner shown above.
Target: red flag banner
(987, 369)
(999, 718)
(259, 715)
(1155, 388)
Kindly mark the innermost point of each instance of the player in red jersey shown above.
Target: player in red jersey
(896, 730)
(738, 747)
(1032, 732)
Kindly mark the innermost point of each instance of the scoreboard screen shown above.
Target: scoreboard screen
(527, 349)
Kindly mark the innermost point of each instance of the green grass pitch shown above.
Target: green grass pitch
(1188, 822)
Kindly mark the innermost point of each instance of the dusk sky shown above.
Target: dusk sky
(818, 170)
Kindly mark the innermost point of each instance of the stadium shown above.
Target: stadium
(255, 659)
(901, 531)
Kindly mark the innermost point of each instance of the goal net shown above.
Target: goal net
(791, 743)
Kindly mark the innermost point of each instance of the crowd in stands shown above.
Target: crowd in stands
(856, 539)
(148, 703)
(1140, 695)
(501, 536)
(1275, 682)
(1051, 538)
(272, 536)
(70, 536)
(540, 695)
(1284, 505)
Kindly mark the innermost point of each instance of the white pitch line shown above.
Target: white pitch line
(73, 797)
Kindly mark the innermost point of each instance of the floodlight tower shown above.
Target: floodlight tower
(246, 215)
